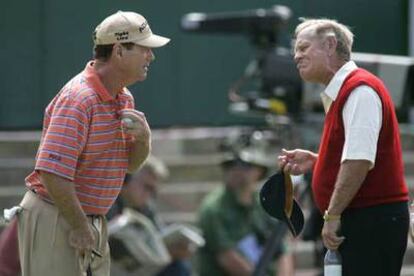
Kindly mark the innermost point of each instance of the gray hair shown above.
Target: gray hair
(328, 27)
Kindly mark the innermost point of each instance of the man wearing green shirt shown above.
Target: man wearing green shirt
(234, 225)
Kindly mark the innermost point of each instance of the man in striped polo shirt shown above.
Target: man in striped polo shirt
(92, 136)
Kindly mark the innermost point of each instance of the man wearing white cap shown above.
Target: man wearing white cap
(92, 136)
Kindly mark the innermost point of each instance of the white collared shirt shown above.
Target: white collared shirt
(361, 115)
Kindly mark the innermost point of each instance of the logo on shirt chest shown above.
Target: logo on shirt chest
(54, 157)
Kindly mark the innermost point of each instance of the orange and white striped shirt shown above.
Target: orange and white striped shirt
(82, 141)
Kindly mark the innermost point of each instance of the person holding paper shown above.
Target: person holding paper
(138, 193)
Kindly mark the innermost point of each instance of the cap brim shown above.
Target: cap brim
(154, 41)
(296, 221)
(272, 198)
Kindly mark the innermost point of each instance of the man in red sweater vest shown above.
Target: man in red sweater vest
(358, 179)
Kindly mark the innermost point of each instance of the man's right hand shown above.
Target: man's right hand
(297, 161)
(63, 193)
(82, 238)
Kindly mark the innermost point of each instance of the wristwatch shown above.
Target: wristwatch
(329, 217)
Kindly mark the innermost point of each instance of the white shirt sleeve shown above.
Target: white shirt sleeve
(362, 118)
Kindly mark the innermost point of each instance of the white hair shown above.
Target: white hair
(328, 27)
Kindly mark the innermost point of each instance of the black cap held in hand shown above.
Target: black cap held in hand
(276, 197)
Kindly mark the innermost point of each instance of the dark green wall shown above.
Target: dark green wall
(46, 42)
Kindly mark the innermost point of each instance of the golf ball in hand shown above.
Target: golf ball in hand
(127, 122)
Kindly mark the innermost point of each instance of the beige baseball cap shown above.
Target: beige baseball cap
(122, 27)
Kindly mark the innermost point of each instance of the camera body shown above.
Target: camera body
(277, 86)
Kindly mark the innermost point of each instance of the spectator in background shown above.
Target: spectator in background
(138, 193)
(234, 224)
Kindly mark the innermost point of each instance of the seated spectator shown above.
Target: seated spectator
(234, 224)
(138, 193)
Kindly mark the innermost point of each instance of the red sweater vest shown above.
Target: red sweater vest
(385, 182)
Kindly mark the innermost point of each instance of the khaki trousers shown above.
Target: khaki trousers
(44, 242)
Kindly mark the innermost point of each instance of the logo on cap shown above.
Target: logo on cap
(122, 35)
(143, 26)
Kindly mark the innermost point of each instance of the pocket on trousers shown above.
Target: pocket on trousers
(61, 232)
(394, 218)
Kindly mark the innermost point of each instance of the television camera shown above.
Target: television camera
(278, 91)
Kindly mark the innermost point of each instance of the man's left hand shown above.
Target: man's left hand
(329, 234)
(139, 129)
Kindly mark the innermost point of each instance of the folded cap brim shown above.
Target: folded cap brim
(273, 200)
(153, 41)
(296, 221)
